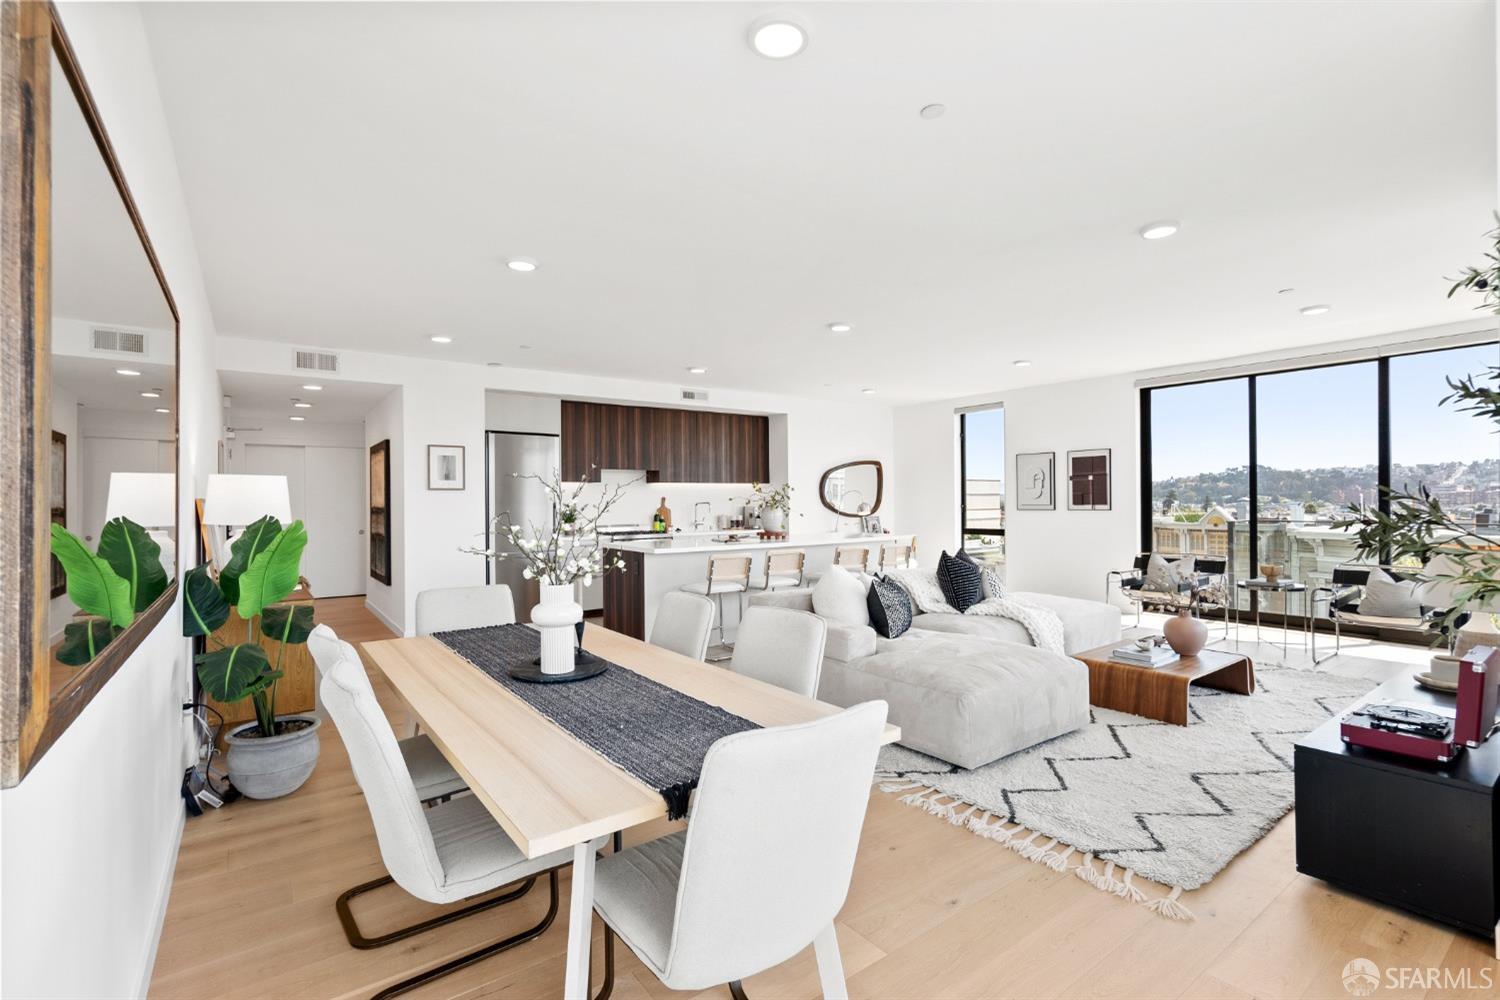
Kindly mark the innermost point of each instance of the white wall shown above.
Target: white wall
(88, 839)
(448, 403)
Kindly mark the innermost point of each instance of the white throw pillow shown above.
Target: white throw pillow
(1387, 597)
(1164, 577)
(993, 588)
(839, 598)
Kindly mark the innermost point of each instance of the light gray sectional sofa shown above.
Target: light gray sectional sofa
(961, 687)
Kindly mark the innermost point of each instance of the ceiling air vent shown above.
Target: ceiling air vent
(317, 361)
(119, 341)
(697, 395)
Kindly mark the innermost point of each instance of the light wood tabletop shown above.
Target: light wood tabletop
(545, 788)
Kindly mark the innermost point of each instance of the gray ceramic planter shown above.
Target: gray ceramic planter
(270, 767)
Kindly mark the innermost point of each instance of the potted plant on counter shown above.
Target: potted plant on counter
(773, 505)
(273, 755)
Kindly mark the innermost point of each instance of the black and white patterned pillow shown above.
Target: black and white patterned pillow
(993, 586)
(961, 580)
(890, 607)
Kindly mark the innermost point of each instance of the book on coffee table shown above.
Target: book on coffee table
(1157, 656)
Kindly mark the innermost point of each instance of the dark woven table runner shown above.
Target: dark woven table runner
(657, 734)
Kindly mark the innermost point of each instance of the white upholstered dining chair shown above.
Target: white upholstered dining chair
(683, 623)
(450, 852)
(763, 866)
(430, 771)
(449, 608)
(781, 646)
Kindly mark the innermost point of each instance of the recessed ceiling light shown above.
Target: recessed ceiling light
(1022, 364)
(313, 388)
(162, 409)
(1317, 310)
(151, 394)
(840, 327)
(932, 111)
(1159, 230)
(523, 264)
(868, 392)
(695, 370)
(441, 340)
(301, 405)
(126, 371)
(777, 39)
(298, 419)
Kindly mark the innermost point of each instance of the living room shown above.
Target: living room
(844, 499)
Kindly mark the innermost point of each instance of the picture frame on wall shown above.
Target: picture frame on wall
(1089, 485)
(380, 510)
(445, 467)
(1034, 480)
(57, 504)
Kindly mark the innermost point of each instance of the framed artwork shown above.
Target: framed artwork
(380, 512)
(1088, 479)
(57, 503)
(445, 467)
(1034, 488)
(873, 526)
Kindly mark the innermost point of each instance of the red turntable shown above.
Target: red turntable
(1428, 731)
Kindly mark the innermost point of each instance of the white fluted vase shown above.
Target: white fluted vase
(557, 618)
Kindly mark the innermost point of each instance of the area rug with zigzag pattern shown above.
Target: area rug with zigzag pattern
(1127, 797)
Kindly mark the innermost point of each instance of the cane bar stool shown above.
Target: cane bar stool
(726, 575)
(896, 555)
(784, 568)
(852, 557)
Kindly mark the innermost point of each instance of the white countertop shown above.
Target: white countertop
(698, 544)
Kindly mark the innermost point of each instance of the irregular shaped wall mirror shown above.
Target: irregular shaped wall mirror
(96, 548)
(853, 489)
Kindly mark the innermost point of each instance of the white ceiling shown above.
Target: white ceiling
(358, 174)
(271, 396)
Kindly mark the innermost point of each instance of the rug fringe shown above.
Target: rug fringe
(1054, 854)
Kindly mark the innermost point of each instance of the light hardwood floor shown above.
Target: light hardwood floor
(934, 911)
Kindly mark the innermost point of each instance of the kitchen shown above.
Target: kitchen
(697, 464)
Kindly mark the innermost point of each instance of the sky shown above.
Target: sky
(1322, 417)
(984, 440)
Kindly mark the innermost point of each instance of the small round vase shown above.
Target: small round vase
(556, 618)
(1185, 634)
(772, 519)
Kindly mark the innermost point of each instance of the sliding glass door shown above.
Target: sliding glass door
(1271, 460)
(981, 436)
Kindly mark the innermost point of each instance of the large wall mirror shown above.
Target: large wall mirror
(98, 421)
(853, 489)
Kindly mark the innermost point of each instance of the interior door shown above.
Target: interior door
(338, 517)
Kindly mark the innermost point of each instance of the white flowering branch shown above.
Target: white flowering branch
(568, 549)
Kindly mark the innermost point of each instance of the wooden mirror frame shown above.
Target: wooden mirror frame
(879, 487)
(31, 719)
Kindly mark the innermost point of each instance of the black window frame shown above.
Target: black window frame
(963, 478)
(1382, 438)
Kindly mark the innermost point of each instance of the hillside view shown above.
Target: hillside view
(1460, 483)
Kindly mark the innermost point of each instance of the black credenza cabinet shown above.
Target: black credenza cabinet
(1414, 835)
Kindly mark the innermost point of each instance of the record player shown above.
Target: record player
(1427, 731)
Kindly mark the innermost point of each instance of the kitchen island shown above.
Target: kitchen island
(656, 566)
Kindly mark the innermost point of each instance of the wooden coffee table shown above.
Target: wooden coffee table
(1162, 693)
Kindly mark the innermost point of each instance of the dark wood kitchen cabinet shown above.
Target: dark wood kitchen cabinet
(673, 446)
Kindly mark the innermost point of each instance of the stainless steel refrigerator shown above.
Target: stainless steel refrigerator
(525, 499)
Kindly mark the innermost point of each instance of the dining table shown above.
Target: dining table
(546, 789)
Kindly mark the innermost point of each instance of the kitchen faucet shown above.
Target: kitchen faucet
(698, 522)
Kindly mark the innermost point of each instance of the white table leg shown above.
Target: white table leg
(580, 923)
(830, 964)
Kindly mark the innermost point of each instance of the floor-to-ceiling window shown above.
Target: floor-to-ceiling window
(1284, 454)
(981, 436)
(1454, 455)
(1200, 470)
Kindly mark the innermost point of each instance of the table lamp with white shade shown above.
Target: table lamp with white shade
(233, 501)
(150, 500)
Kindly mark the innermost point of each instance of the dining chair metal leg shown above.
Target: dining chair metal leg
(737, 990)
(608, 986)
(479, 954)
(357, 938)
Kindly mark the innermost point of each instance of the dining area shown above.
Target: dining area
(742, 797)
